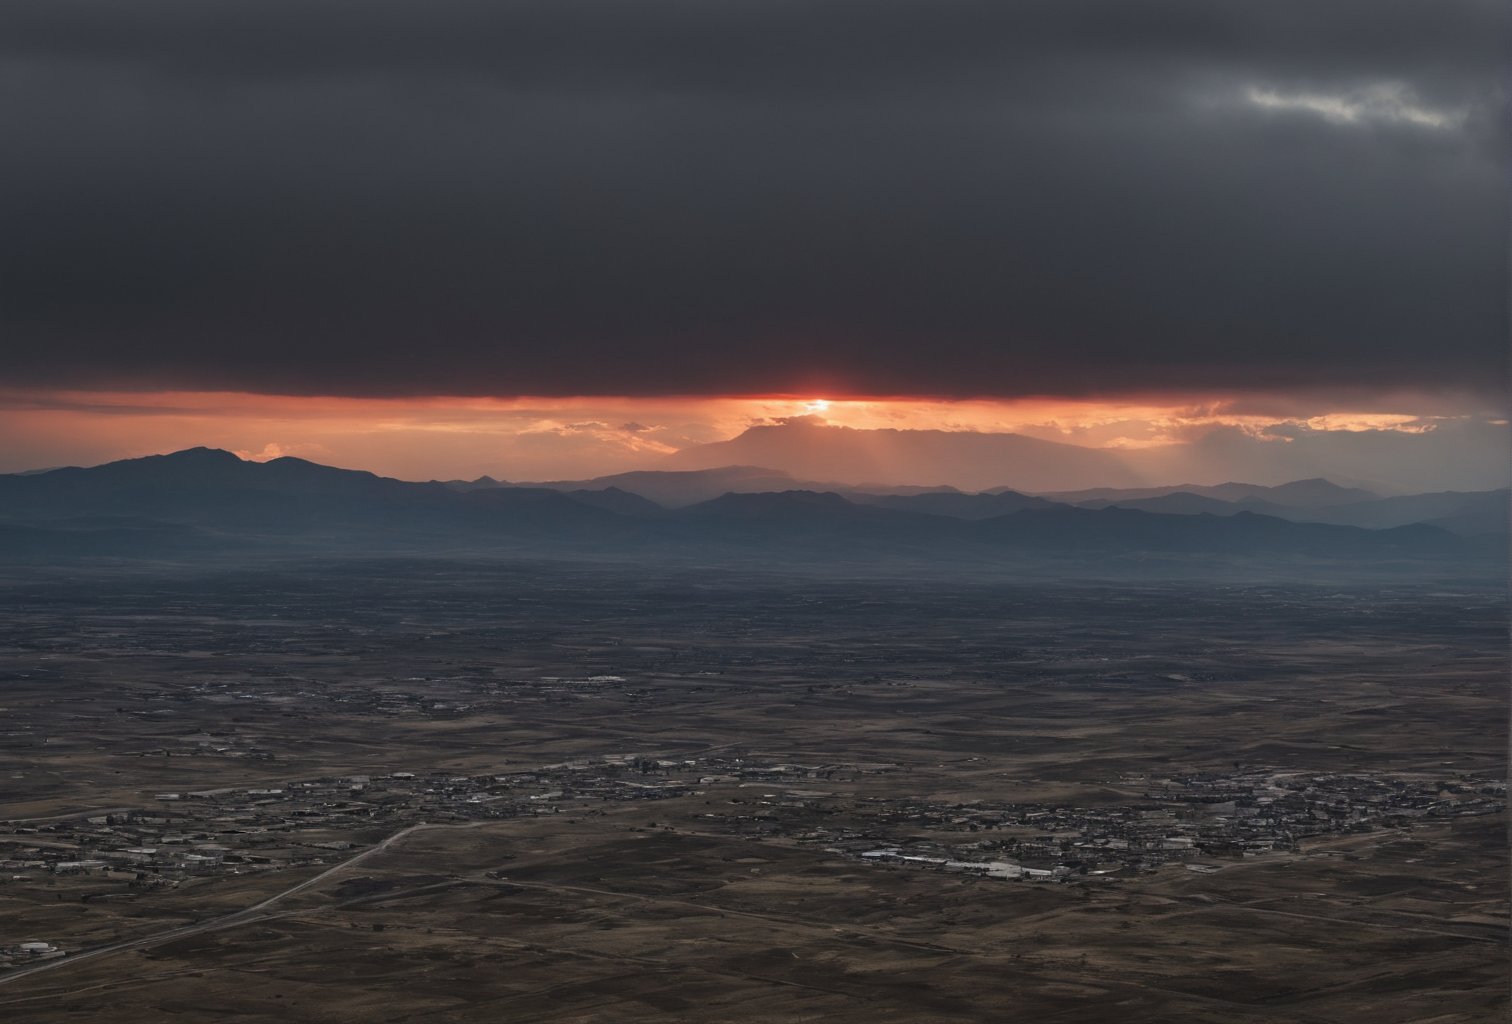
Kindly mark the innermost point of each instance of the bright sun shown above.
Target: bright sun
(817, 405)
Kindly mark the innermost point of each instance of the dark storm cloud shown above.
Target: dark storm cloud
(683, 197)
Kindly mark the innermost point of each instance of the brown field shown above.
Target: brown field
(652, 855)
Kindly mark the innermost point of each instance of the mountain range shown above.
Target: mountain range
(811, 448)
(201, 501)
(1468, 513)
(1315, 493)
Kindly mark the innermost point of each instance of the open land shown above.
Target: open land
(433, 791)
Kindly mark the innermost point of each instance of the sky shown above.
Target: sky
(547, 240)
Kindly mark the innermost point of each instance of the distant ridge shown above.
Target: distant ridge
(673, 488)
(1468, 513)
(1313, 493)
(201, 502)
(958, 505)
(1472, 513)
(964, 459)
(676, 488)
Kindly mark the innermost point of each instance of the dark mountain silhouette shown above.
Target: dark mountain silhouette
(1245, 533)
(957, 505)
(1314, 493)
(804, 517)
(287, 497)
(672, 488)
(613, 499)
(818, 526)
(1468, 513)
(201, 502)
(1185, 503)
(796, 504)
(473, 485)
(166, 482)
(676, 488)
(1478, 519)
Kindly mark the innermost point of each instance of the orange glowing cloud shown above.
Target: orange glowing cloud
(557, 438)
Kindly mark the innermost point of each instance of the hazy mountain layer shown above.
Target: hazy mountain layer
(202, 501)
(962, 459)
(1314, 493)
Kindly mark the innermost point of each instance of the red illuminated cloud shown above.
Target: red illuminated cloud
(552, 438)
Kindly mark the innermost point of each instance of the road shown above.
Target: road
(247, 915)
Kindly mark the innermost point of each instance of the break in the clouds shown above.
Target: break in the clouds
(935, 197)
(967, 444)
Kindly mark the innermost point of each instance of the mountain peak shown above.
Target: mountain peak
(199, 454)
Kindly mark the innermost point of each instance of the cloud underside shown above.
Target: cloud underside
(888, 198)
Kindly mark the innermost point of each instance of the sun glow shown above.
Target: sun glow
(577, 438)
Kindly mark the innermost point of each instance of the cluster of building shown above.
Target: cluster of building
(226, 830)
(29, 952)
(1199, 820)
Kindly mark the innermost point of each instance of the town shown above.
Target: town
(1199, 821)
(541, 779)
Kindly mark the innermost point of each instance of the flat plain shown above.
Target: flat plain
(434, 791)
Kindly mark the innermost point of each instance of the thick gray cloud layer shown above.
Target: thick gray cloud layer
(684, 196)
